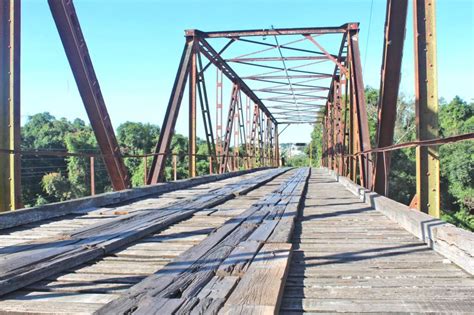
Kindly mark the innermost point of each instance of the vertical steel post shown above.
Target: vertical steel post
(10, 172)
(206, 114)
(145, 169)
(330, 129)
(253, 137)
(277, 146)
(210, 165)
(340, 128)
(352, 145)
(175, 175)
(345, 141)
(235, 160)
(219, 116)
(426, 95)
(362, 125)
(228, 132)
(395, 23)
(192, 112)
(79, 59)
(247, 133)
(92, 169)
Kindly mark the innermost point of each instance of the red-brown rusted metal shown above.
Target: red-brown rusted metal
(395, 24)
(361, 135)
(171, 115)
(272, 32)
(219, 115)
(192, 112)
(213, 56)
(79, 59)
(228, 131)
(206, 114)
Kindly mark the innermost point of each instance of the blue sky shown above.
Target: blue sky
(136, 45)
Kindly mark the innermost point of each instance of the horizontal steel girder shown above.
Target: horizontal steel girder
(274, 32)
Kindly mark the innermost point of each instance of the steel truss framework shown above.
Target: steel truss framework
(296, 87)
(349, 137)
(291, 90)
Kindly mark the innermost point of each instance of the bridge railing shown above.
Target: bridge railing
(87, 171)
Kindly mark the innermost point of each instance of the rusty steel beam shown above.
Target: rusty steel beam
(274, 46)
(395, 23)
(169, 122)
(219, 114)
(79, 59)
(426, 105)
(206, 114)
(10, 163)
(277, 146)
(210, 53)
(192, 113)
(266, 59)
(271, 32)
(253, 136)
(338, 126)
(362, 124)
(272, 90)
(302, 76)
(326, 53)
(228, 131)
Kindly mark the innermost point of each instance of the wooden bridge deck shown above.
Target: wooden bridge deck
(234, 255)
(348, 257)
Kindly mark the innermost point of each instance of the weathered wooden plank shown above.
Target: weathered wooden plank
(263, 231)
(20, 217)
(47, 307)
(348, 257)
(96, 241)
(374, 282)
(381, 293)
(283, 231)
(261, 286)
(75, 287)
(239, 259)
(376, 306)
(189, 273)
(211, 298)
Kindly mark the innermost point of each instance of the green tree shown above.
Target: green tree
(43, 132)
(316, 145)
(56, 185)
(457, 163)
(136, 139)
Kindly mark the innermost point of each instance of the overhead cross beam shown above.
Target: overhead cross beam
(273, 32)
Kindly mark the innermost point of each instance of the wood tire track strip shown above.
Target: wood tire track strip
(20, 269)
(201, 278)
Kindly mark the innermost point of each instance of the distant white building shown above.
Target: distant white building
(293, 149)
